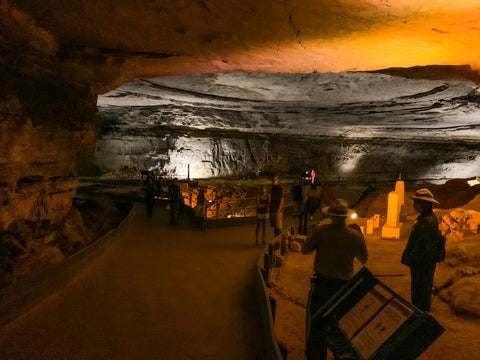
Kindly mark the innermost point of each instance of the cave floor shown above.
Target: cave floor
(176, 292)
(158, 292)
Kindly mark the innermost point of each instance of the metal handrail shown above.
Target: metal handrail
(213, 209)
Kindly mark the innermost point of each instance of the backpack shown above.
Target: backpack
(439, 251)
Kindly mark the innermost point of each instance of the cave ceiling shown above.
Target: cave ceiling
(107, 43)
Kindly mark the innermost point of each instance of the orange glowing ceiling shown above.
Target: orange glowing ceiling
(154, 37)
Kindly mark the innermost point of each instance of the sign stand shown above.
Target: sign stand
(366, 320)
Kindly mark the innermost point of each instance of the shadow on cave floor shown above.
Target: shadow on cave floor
(155, 292)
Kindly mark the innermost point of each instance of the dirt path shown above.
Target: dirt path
(158, 292)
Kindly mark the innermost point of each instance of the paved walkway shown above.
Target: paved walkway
(157, 292)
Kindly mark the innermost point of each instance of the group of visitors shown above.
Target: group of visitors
(270, 206)
(337, 244)
(308, 203)
(153, 190)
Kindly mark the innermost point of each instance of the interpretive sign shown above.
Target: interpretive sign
(364, 310)
(369, 321)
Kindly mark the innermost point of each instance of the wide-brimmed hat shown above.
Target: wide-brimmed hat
(339, 208)
(425, 195)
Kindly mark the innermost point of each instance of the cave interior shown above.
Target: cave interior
(358, 90)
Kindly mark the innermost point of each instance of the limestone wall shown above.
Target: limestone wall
(44, 143)
(224, 154)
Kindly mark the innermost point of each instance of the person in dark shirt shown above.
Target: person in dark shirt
(312, 200)
(327, 194)
(174, 195)
(297, 196)
(336, 246)
(425, 247)
(149, 195)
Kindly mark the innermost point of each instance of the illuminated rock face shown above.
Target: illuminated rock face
(346, 125)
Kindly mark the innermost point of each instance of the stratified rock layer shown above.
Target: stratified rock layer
(348, 125)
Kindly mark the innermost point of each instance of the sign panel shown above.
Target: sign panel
(364, 310)
(380, 328)
(369, 321)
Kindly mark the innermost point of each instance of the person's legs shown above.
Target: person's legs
(278, 222)
(149, 207)
(300, 223)
(321, 290)
(180, 210)
(305, 223)
(264, 228)
(299, 208)
(421, 285)
(274, 218)
(315, 346)
(173, 211)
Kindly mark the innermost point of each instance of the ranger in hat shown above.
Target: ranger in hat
(425, 247)
(336, 246)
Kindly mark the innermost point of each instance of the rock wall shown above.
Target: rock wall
(240, 155)
(47, 134)
(345, 125)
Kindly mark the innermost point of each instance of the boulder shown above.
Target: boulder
(295, 246)
(72, 235)
(6, 278)
(457, 255)
(447, 276)
(460, 223)
(11, 244)
(22, 230)
(463, 296)
(40, 254)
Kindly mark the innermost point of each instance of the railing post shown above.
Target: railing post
(283, 245)
(265, 275)
(204, 217)
(267, 261)
(271, 250)
(273, 306)
(267, 265)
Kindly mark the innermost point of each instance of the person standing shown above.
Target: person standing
(312, 203)
(263, 208)
(327, 194)
(425, 247)
(149, 195)
(336, 246)
(312, 200)
(297, 196)
(181, 206)
(277, 201)
(174, 195)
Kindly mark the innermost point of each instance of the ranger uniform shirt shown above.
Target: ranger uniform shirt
(337, 245)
